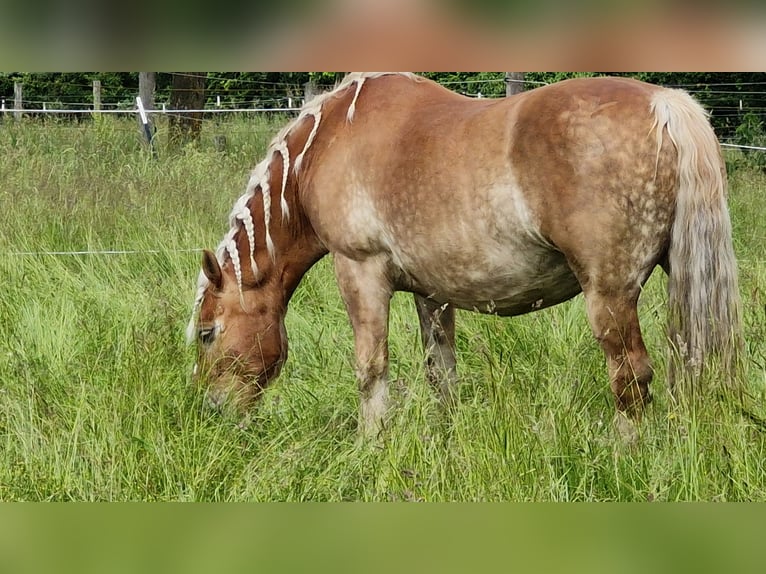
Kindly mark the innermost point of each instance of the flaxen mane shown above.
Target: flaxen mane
(241, 216)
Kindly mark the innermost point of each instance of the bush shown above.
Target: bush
(751, 132)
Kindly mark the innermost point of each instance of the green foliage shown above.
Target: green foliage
(96, 403)
(489, 84)
(752, 132)
(325, 78)
(255, 89)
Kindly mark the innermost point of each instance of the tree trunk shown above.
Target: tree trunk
(187, 93)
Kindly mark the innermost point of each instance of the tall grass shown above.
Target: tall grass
(95, 402)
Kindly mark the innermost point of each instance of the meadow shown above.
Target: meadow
(96, 402)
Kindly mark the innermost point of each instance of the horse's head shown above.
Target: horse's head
(243, 292)
(241, 339)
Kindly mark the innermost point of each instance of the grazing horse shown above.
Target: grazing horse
(500, 206)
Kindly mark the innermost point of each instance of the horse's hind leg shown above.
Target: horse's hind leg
(613, 318)
(437, 332)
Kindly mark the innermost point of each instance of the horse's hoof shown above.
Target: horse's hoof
(627, 428)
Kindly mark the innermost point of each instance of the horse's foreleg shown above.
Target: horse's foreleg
(437, 332)
(366, 291)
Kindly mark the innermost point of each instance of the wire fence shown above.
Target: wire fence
(135, 111)
(229, 105)
(238, 94)
(222, 112)
(105, 252)
(728, 102)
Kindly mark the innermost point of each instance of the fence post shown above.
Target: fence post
(146, 84)
(96, 95)
(145, 123)
(514, 83)
(18, 102)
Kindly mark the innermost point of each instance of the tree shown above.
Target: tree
(187, 93)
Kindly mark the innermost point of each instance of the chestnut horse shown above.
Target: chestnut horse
(500, 206)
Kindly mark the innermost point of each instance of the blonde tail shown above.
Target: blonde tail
(703, 296)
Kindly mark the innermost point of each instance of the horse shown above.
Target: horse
(502, 206)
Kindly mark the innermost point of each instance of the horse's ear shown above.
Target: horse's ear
(212, 269)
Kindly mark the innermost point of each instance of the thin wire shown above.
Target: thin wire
(159, 111)
(758, 148)
(105, 252)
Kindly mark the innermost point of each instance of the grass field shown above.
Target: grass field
(95, 402)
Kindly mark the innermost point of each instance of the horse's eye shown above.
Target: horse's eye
(206, 336)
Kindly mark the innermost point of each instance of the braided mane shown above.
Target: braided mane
(241, 217)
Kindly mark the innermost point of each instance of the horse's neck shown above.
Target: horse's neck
(301, 256)
(298, 248)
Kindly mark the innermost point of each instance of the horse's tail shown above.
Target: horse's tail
(703, 296)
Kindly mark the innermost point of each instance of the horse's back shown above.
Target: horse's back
(506, 205)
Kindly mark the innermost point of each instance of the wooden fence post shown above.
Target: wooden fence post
(18, 102)
(146, 84)
(147, 128)
(514, 83)
(97, 95)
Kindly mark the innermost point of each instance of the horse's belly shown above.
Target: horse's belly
(510, 285)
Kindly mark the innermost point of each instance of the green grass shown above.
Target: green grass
(95, 402)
